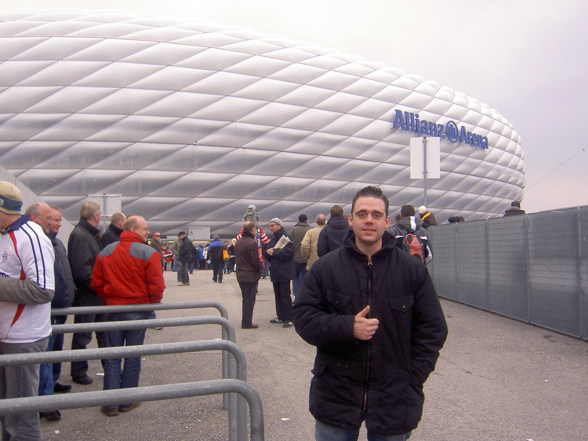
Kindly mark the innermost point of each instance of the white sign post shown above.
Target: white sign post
(425, 160)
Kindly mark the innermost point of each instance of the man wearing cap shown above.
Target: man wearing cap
(157, 246)
(251, 215)
(297, 232)
(427, 217)
(280, 253)
(26, 288)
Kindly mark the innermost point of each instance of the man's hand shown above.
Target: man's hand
(364, 328)
(270, 252)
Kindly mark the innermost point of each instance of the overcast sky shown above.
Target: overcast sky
(525, 58)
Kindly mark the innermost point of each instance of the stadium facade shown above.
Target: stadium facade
(192, 122)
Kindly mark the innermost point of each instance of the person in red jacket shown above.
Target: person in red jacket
(127, 272)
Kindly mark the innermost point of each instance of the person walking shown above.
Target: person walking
(215, 255)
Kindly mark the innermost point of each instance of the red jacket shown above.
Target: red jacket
(128, 272)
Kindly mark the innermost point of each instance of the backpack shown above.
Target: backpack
(412, 244)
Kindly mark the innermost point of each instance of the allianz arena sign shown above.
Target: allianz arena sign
(410, 122)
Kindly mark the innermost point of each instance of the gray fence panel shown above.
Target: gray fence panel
(443, 266)
(533, 268)
(508, 269)
(471, 251)
(553, 271)
(583, 268)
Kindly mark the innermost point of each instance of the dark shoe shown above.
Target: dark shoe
(52, 415)
(129, 407)
(109, 411)
(287, 324)
(61, 388)
(85, 380)
(214, 280)
(250, 327)
(276, 320)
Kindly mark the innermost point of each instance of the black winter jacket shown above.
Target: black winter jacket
(111, 235)
(282, 267)
(65, 287)
(380, 380)
(331, 237)
(82, 248)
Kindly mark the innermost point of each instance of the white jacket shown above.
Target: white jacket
(26, 253)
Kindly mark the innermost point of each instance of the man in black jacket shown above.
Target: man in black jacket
(331, 237)
(373, 314)
(82, 248)
(112, 234)
(280, 253)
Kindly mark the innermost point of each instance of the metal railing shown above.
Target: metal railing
(237, 414)
(79, 310)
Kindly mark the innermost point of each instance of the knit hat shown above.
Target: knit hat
(276, 220)
(422, 209)
(302, 218)
(10, 198)
(181, 233)
(252, 207)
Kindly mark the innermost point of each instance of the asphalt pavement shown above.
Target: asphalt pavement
(496, 380)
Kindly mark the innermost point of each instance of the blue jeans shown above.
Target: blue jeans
(46, 372)
(128, 376)
(325, 432)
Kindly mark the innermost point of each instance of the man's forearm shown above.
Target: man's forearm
(23, 291)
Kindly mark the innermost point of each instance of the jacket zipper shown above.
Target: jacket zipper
(369, 347)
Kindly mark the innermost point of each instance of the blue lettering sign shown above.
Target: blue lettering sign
(411, 122)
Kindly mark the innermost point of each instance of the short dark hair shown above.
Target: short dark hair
(371, 192)
(337, 211)
(407, 210)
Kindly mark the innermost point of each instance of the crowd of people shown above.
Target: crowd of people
(359, 297)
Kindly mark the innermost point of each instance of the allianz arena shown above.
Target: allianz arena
(192, 122)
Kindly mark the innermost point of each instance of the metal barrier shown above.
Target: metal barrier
(80, 310)
(531, 267)
(237, 419)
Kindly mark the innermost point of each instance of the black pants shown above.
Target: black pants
(82, 339)
(248, 291)
(283, 300)
(217, 270)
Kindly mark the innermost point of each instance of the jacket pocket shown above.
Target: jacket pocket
(401, 304)
(339, 301)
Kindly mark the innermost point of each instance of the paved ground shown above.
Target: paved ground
(497, 379)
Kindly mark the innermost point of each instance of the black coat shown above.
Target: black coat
(385, 374)
(331, 237)
(110, 236)
(282, 268)
(82, 248)
(185, 250)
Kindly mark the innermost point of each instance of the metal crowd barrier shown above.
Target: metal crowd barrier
(237, 414)
(80, 310)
